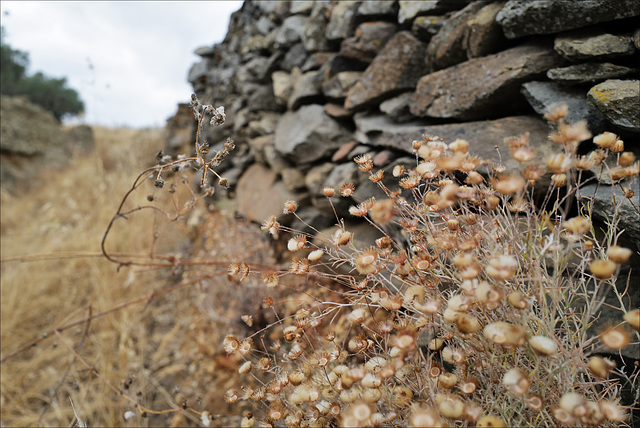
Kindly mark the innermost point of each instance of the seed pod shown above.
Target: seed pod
(618, 254)
(633, 319)
(504, 333)
(516, 381)
(491, 421)
(543, 345)
(603, 269)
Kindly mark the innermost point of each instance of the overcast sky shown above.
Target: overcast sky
(128, 60)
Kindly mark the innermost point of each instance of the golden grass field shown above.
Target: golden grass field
(54, 277)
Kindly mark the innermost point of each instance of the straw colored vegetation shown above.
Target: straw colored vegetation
(55, 277)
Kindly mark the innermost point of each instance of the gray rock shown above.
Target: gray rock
(315, 177)
(397, 108)
(259, 195)
(481, 135)
(276, 7)
(521, 18)
(409, 9)
(262, 99)
(542, 96)
(342, 21)
(265, 124)
(604, 206)
(337, 87)
(369, 39)
(316, 60)
(295, 57)
(291, 31)
(313, 37)
(205, 51)
(425, 27)
(311, 216)
(276, 162)
(197, 71)
(264, 25)
(592, 44)
(257, 146)
(446, 47)
(255, 70)
(588, 73)
(396, 69)
(292, 178)
(301, 6)
(482, 87)
(282, 86)
(370, 125)
(309, 134)
(618, 100)
(377, 9)
(307, 89)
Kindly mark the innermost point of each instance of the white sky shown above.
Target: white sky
(141, 52)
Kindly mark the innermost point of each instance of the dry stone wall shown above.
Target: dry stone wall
(308, 85)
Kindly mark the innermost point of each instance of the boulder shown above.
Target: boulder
(542, 96)
(309, 134)
(618, 100)
(588, 73)
(522, 18)
(296, 56)
(593, 44)
(482, 87)
(396, 69)
(282, 86)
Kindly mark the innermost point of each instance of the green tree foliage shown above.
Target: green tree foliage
(50, 93)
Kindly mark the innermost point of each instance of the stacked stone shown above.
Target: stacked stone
(308, 85)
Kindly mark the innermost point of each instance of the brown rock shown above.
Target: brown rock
(446, 47)
(259, 195)
(481, 87)
(341, 154)
(593, 44)
(396, 68)
(483, 35)
(337, 111)
(369, 39)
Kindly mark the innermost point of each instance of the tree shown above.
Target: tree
(50, 93)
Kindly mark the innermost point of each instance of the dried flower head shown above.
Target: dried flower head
(603, 269)
(605, 140)
(615, 337)
(508, 184)
(557, 112)
(290, 207)
(347, 190)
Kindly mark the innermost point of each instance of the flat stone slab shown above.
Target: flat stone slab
(618, 100)
(482, 87)
(522, 18)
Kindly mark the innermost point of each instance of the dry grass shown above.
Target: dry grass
(64, 217)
